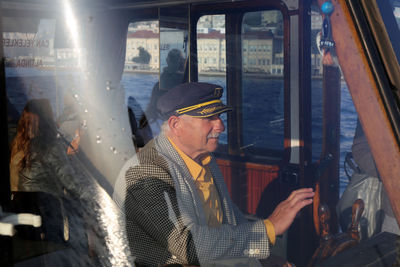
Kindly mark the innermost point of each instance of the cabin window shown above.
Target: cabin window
(322, 111)
(41, 62)
(262, 84)
(29, 52)
(211, 60)
(150, 72)
(57, 85)
(396, 12)
(141, 74)
(316, 83)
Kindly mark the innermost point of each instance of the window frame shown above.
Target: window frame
(234, 13)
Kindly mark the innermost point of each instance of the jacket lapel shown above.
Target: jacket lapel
(185, 187)
(227, 203)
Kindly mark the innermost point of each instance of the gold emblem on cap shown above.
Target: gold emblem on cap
(218, 92)
(207, 110)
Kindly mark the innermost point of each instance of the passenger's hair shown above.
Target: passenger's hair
(36, 129)
(165, 126)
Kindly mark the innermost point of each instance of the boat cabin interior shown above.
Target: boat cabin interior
(307, 80)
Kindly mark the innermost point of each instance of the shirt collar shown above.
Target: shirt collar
(194, 168)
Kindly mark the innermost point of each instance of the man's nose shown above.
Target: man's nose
(219, 125)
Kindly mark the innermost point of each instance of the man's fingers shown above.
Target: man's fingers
(302, 196)
(284, 213)
(301, 204)
(299, 195)
(300, 199)
(300, 191)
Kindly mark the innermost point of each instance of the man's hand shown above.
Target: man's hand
(284, 213)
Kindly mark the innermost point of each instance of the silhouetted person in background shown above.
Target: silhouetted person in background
(171, 76)
(143, 57)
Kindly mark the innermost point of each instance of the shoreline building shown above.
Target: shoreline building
(262, 52)
(262, 46)
(211, 52)
(147, 40)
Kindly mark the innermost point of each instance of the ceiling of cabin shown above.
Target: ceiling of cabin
(110, 4)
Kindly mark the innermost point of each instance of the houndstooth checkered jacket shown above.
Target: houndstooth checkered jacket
(165, 219)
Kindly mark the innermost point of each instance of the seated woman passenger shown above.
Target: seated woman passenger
(45, 181)
(38, 165)
(36, 157)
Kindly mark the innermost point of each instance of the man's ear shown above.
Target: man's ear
(174, 124)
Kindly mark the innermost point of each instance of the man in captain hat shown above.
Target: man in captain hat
(177, 206)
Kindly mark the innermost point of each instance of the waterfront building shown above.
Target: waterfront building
(261, 50)
(257, 47)
(261, 47)
(211, 52)
(149, 41)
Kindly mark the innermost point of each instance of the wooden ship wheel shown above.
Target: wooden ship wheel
(331, 245)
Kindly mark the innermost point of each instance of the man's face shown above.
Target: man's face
(200, 135)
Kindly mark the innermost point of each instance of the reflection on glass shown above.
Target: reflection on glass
(396, 12)
(142, 51)
(173, 61)
(316, 83)
(211, 44)
(211, 55)
(63, 172)
(142, 65)
(348, 114)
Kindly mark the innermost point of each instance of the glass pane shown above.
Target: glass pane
(396, 12)
(173, 54)
(65, 109)
(27, 55)
(388, 9)
(348, 115)
(263, 90)
(359, 176)
(211, 56)
(140, 76)
(316, 84)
